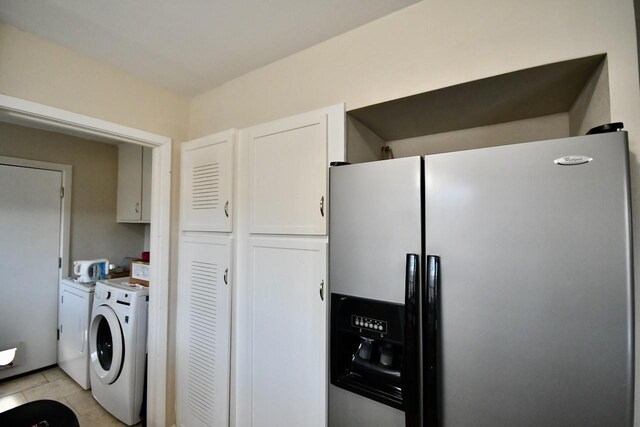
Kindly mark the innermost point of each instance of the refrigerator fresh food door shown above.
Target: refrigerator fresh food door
(536, 321)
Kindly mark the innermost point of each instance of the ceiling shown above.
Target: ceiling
(191, 46)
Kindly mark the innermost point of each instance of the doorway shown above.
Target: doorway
(30, 114)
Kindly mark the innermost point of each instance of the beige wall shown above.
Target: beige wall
(94, 230)
(429, 46)
(593, 106)
(37, 70)
(539, 128)
(435, 44)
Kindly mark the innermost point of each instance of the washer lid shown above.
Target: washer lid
(83, 287)
(106, 344)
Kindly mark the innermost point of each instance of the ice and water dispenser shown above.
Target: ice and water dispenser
(366, 347)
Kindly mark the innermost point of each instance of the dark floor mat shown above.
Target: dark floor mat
(41, 413)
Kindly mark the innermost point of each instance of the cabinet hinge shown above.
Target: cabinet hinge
(62, 192)
(59, 262)
(58, 335)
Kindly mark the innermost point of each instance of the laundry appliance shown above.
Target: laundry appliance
(75, 301)
(486, 288)
(117, 345)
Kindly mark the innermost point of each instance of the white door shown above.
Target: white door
(288, 175)
(207, 183)
(30, 223)
(289, 332)
(129, 182)
(203, 331)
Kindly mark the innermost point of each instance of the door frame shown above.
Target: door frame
(35, 115)
(65, 207)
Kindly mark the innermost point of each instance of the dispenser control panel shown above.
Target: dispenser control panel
(374, 325)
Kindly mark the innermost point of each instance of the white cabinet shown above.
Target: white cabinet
(134, 183)
(288, 175)
(288, 297)
(207, 183)
(203, 331)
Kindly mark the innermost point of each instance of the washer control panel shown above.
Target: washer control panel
(374, 325)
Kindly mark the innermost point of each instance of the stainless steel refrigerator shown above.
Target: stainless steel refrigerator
(484, 288)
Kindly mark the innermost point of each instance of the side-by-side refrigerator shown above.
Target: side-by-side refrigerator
(485, 288)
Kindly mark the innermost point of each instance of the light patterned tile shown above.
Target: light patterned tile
(83, 402)
(54, 374)
(99, 418)
(20, 384)
(11, 401)
(54, 390)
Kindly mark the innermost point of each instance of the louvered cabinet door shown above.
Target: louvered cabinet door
(203, 331)
(207, 183)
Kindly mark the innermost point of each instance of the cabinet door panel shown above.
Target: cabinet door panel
(129, 182)
(289, 332)
(288, 167)
(203, 331)
(207, 183)
(147, 157)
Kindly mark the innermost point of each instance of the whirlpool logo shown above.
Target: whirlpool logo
(572, 160)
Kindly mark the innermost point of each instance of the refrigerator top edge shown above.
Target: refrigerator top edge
(610, 136)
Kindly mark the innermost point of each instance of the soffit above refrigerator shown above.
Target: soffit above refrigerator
(523, 94)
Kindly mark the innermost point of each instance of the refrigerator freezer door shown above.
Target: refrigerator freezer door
(375, 221)
(536, 283)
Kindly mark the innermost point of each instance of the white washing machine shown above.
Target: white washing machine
(75, 301)
(118, 344)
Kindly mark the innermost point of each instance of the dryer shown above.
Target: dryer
(117, 345)
(75, 301)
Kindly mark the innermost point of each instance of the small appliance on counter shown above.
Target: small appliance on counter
(90, 271)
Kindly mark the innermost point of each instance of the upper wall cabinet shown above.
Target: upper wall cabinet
(207, 183)
(134, 183)
(288, 161)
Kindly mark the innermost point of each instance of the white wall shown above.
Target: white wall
(539, 128)
(432, 45)
(94, 230)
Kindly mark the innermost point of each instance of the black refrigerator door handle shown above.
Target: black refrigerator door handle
(411, 348)
(430, 315)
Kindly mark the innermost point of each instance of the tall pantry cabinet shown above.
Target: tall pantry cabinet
(278, 371)
(203, 331)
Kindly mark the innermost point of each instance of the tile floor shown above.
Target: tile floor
(54, 384)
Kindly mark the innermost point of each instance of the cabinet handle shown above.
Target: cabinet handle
(138, 207)
(322, 206)
(322, 290)
(226, 271)
(226, 209)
